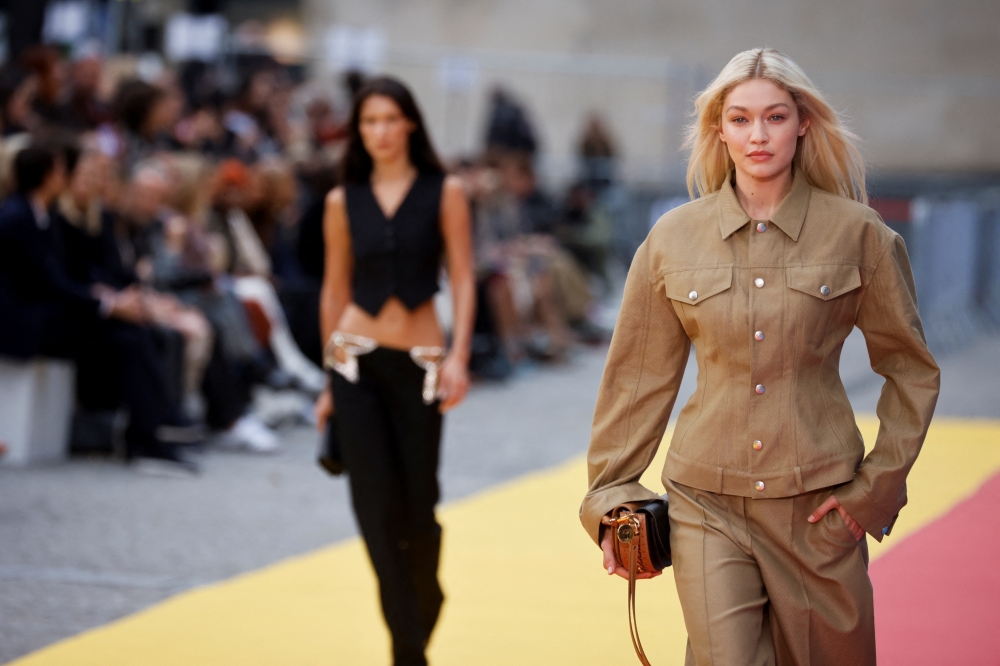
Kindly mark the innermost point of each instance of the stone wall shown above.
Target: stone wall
(918, 79)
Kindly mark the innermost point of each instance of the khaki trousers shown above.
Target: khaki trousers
(759, 585)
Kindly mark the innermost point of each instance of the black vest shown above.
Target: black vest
(400, 256)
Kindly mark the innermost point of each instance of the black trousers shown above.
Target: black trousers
(391, 444)
(226, 387)
(116, 362)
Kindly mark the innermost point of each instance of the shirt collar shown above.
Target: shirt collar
(789, 217)
(41, 214)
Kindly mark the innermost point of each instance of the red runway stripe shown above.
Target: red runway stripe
(937, 594)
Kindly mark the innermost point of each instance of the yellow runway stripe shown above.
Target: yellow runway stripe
(523, 581)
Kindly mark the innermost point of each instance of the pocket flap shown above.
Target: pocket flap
(695, 285)
(825, 282)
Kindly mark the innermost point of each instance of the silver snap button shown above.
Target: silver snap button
(759, 486)
(825, 290)
(693, 295)
(761, 227)
(759, 283)
(758, 336)
(759, 389)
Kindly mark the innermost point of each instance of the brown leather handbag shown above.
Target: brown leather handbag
(642, 542)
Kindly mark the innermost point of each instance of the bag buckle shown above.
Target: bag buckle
(628, 527)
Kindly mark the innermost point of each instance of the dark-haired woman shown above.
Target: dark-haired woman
(387, 230)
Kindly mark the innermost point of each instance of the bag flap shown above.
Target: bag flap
(695, 285)
(658, 531)
(825, 282)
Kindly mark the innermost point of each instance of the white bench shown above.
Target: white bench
(36, 407)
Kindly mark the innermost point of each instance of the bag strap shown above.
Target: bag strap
(633, 622)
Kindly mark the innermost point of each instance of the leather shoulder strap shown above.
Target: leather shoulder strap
(633, 622)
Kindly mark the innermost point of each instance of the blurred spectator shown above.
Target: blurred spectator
(238, 189)
(249, 116)
(45, 64)
(584, 229)
(235, 191)
(544, 290)
(165, 246)
(203, 131)
(300, 295)
(146, 115)
(274, 211)
(597, 154)
(185, 242)
(48, 312)
(324, 126)
(18, 91)
(509, 128)
(83, 110)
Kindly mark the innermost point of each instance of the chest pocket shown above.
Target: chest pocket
(824, 298)
(699, 299)
(825, 282)
(696, 286)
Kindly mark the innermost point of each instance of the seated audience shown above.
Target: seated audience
(48, 313)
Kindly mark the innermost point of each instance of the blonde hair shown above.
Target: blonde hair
(827, 154)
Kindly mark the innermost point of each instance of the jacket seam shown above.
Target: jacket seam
(874, 269)
(642, 364)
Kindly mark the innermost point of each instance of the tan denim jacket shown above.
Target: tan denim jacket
(767, 306)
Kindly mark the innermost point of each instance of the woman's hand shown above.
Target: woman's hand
(323, 409)
(833, 503)
(613, 566)
(453, 383)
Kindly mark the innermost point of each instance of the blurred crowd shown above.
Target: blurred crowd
(190, 208)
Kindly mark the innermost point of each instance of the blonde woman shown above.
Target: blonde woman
(766, 273)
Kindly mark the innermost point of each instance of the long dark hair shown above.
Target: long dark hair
(356, 165)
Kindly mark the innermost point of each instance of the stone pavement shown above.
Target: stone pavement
(89, 541)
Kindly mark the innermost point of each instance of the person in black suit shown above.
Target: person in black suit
(45, 312)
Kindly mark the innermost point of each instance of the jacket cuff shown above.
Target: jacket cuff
(600, 502)
(858, 503)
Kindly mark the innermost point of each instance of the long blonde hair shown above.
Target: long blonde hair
(827, 154)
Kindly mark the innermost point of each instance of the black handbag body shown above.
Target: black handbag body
(658, 529)
(329, 457)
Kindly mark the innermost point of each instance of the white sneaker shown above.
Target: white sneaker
(250, 433)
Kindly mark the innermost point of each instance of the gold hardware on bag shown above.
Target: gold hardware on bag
(628, 527)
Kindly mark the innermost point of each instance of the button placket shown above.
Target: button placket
(766, 251)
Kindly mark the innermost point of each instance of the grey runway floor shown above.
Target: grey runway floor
(85, 542)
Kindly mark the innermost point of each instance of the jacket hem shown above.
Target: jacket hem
(777, 483)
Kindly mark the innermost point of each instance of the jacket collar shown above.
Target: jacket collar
(789, 217)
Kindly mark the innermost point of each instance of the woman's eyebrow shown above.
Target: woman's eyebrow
(743, 109)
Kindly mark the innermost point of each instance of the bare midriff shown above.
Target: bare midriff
(395, 326)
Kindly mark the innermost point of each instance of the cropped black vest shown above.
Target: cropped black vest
(400, 256)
